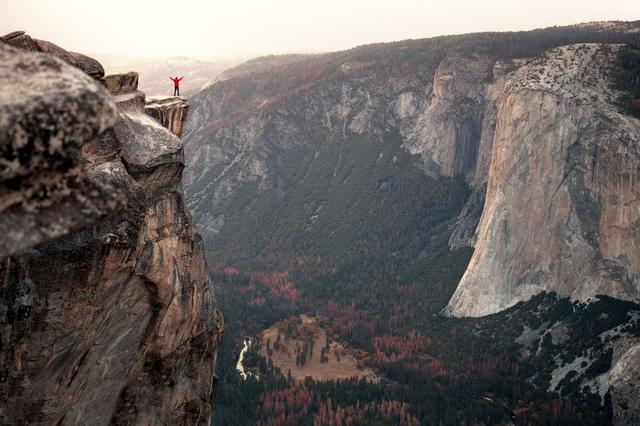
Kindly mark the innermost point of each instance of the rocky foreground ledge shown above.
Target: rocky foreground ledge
(107, 315)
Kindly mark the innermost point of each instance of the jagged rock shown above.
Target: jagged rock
(624, 382)
(562, 197)
(48, 111)
(464, 229)
(20, 40)
(88, 65)
(121, 83)
(115, 323)
(171, 112)
(11, 35)
(23, 41)
(151, 153)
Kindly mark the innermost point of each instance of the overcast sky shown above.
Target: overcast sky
(213, 28)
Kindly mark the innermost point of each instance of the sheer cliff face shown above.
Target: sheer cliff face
(561, 211)
(115, 323)
(447, 131)
(549, 161)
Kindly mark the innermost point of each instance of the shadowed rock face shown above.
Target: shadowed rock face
(447, 132)
(115, 323)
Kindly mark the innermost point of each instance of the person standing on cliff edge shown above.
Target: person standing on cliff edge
(176, 85)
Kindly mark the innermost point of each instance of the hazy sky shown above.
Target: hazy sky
(244, 27)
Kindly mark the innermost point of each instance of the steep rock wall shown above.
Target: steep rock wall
(115, 323)
(170, 111)
(561, 211)
(447, 132)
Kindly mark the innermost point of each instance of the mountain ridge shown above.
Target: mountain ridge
(364, 174)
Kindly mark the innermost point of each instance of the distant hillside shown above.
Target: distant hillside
(264, 63)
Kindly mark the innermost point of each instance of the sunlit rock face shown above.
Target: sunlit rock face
(561, 210)
(116, 322)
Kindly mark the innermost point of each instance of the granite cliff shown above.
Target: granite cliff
(365, 168)
(107, 313)
(537, 141)
(561, 203)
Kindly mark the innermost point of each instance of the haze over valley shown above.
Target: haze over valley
(354, 213)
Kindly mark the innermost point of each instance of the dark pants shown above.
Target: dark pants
(176, 91)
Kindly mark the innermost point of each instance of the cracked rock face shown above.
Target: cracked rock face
(171, 112)
(114, 323)
(48, 111)
(562, 197)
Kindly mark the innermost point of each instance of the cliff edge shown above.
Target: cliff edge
(107, 312)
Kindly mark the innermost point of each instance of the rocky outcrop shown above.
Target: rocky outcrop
(624, 383)
(562, 198)
(170, 111)
(44, 193)
(121, 83)
(115, 323)
(23, 41)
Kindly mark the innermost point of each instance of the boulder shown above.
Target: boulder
(48, 111)
(20, 40)
(121, 83)
(133, 101)
(89, 65)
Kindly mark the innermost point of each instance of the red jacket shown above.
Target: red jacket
(176, 81)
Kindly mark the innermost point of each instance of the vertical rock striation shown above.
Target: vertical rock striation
(624, 383)
(561, 211)
(170, 111)
(115, 323)
(447, 132)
